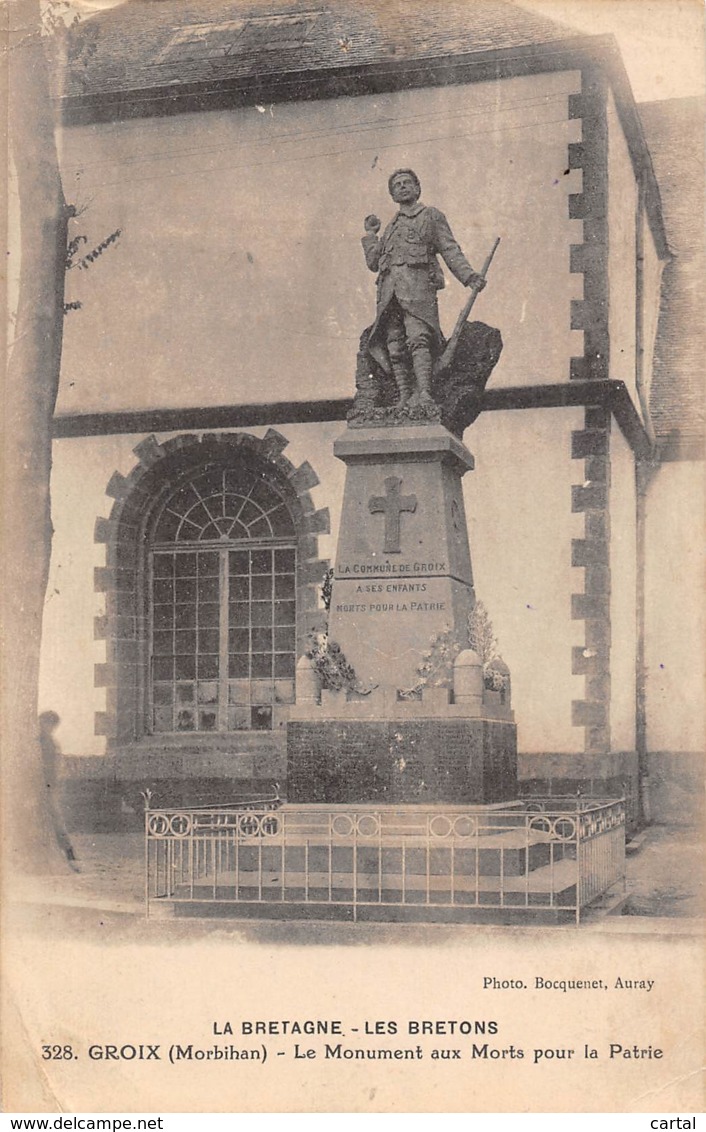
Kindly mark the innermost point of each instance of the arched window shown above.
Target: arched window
(212, 581)
(221, 584)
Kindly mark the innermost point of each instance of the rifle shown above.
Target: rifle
(447, 357)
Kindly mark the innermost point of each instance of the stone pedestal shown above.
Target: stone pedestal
(403, 566)
(402, 577)
(388, 762)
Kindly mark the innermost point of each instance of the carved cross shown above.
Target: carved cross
(392, 504)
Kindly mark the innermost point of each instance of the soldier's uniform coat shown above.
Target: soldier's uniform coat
(409, 271)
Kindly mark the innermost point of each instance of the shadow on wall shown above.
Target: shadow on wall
(48, 723)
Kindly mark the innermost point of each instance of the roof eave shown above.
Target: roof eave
(565, 54)
(326, 82)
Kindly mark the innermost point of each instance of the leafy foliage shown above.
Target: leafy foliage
(437, 664)
(481, 638)
(327, 589)
(332, 668)
(83, 262)
(73, 260)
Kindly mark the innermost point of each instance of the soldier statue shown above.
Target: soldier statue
(406, 336)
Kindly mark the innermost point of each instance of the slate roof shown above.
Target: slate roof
(145, 44)
(674, 130)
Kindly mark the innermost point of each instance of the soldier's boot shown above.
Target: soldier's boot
(403, 381)
(397, 352)
(422, 364)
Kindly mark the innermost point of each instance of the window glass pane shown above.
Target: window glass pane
(262, 561)
(261, 528)
(284, 664)
(239, 614)
(197, 515)
(185, 641)
(185, 719)
(207, 720)
(284, 561)
(284, 585)
(262, 692)
(261, 718)
(284, 613)
(208, 668)
(188, 532)
(163, 668)
(262, 640)
(285, 639)
(208, 640)
(163, 590)
(239, 589)
(163, 565)
(249, 513)
(208, 564)
(208, 616)
(163, 643)
(261, 612)
(185, 667)
(238, 666)
(208, 589)
(208, 692)
(262, 664)
(163, 694)
(239, 718)
(239, 640)
(163, 616)
(185, 693)
(239, 692)
(239, 562)
(262, 587)
(185, 616)
(185, 590)
(185, 566)
(162, 719)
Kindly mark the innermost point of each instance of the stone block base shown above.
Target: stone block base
(393, 762)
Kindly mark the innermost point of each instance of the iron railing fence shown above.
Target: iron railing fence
(555, 854)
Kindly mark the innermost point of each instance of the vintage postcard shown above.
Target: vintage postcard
(353, 717)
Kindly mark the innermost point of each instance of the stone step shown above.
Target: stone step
(547, 879)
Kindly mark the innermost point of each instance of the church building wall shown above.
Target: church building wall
(675, 631)
(521, 528)
(251, 286)
(674, 609)
(519, 515)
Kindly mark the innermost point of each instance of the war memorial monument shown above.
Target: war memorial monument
(402, 799)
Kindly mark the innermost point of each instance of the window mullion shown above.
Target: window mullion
(223, 643)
